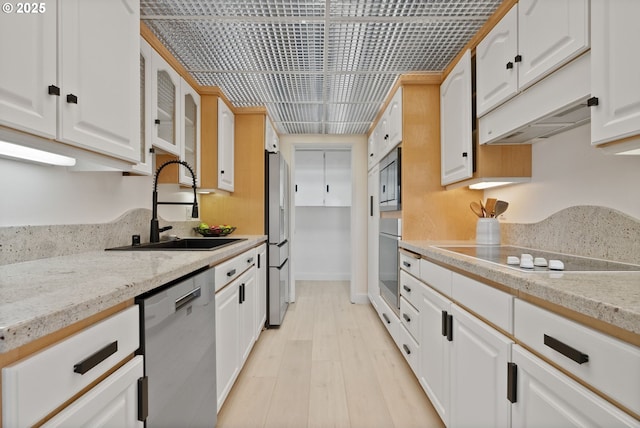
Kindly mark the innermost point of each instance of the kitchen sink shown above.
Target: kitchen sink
(184, 244)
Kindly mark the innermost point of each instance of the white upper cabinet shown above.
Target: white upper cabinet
(165, 95)
(615, 82)
(73, 75)
(190, 147)
(533, 39)
(101, 40)
(145, 166)
(323, 178)
(309, 178)
(28, 72)
(271, 139)
(496, 75)
(337, 170)
(388, 131)
(226, 138)
(456, 142)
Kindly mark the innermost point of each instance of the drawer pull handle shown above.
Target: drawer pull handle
(566, 350)
(406, 349)
(386, 318)
(249, 261)
(231, 272)
(406, 317)
(93, 360)
(407, 265)
(143, 398)
(407, 289)
(187, 298)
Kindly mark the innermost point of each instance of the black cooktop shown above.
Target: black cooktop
(498, 254)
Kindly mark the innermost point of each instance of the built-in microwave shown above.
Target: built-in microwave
(390, 183)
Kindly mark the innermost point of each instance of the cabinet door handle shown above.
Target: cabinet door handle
(406, 349)
(54, 90)
(406, 264)
(72, 99)
(240, 294)
(143, 398)
(371, 206)
(249, 261)
(157, 121)
(509, 65)
(444, 323)
(187, 298)
(327, 188)
(566, 350)
(231, 272)
(450, 328)
(406, 317)
(222, 172)
(518, 58)
(593, 101)
(371, 155)
(512, 382)
(407, 289)
(386, 318)
(464, 154)
(94, 359)
(296, 188)
(258, 261)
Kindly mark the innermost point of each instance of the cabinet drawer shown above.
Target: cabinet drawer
(612, 366)
(436, 276)
(410, 348)
(410, 262)
(227, 271)
(410, 288)
(493, 305)
(35, 386)
(389, 319)
(410, 318)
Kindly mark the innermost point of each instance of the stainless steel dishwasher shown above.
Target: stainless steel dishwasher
(179, 347)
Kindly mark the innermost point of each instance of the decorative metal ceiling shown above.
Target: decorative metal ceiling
(318, 66)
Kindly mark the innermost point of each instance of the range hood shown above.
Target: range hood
(555, 104)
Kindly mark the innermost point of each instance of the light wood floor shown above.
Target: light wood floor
(331, 364)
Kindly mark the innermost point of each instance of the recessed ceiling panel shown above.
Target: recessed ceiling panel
(318, 66)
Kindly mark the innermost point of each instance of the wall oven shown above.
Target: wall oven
(390, 235)
(390, 183)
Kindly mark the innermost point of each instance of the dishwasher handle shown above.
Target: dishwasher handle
(187, 298)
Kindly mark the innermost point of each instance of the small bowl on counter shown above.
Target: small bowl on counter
(215, 231)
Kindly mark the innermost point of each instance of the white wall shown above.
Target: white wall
(323, 243)
(38, 195)
(567, 171)
(358, 145)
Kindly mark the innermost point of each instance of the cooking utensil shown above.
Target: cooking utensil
(484, 210)
(477, 209)
(501, 207)
(490, 206)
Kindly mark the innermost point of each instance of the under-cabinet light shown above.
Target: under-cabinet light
(15, 151)
(488, 184)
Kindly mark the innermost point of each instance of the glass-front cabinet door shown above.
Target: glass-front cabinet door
(191, 133)
(165, 93)
(145, 164)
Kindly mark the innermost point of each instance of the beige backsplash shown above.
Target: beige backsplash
(589, 231)
(24, 243)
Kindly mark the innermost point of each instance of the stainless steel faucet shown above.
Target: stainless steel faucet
(154, 235)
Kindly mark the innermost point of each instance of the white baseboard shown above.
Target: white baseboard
(323, 276)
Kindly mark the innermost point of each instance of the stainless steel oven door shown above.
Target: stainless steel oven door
(390, 234)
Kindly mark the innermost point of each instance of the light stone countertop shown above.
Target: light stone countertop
(42, 296)
(610, 297)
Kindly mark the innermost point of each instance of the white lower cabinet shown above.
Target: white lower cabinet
(435, 355)
(261, 284)
(237, 312)
(479, 357)
(111, 403)
(468, 357)
(545, 397)
(35, 386)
